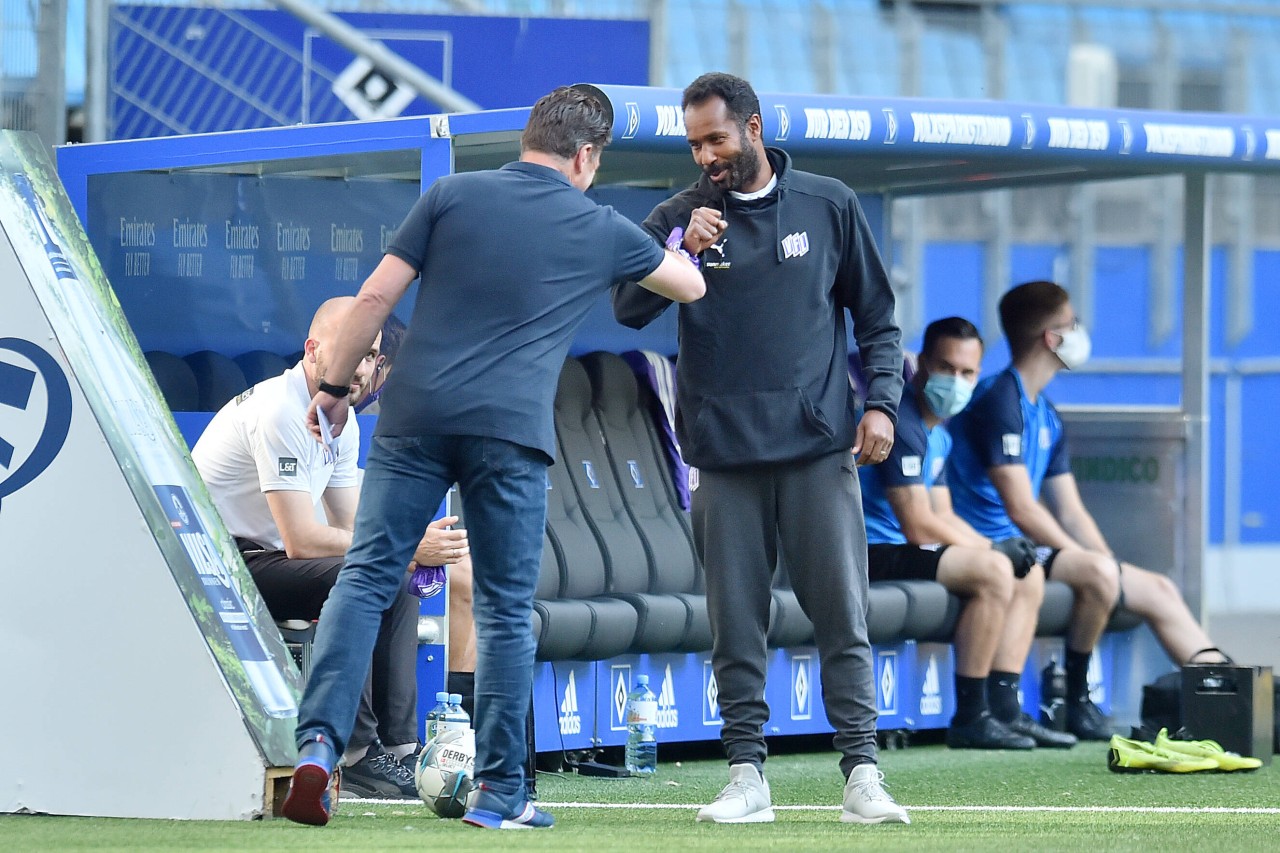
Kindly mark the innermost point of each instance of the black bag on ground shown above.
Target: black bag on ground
(1162, 704)
(1161, 707)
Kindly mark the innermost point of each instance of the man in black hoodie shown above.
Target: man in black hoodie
(766, 414)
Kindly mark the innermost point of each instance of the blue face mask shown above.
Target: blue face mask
(947, 394)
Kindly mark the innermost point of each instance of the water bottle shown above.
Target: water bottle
(435, 717)
(642, 727)
(1053, 696)
(455, 717)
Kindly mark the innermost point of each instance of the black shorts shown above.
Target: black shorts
(1045, 557)
(903, 562)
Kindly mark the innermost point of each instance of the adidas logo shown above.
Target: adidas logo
(668, 713)
(931, 692)
(570, 720)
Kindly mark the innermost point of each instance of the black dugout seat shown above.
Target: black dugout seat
(662, 619)
(176, 379)
(218, 377)
(259, 364)
(639, 466)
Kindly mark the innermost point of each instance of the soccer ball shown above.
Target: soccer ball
(443, 773)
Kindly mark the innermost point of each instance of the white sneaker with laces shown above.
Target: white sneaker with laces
(866, 800)
(744, 800)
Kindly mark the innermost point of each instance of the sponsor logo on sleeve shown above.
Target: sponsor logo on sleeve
(911, 466)
(1012, 443)
(288, 466)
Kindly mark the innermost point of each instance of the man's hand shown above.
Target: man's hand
(874, 439)
(335, 410)
(441, 546)
(1021, 551)
(705, 227)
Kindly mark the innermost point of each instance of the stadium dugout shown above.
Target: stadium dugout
(283, 218)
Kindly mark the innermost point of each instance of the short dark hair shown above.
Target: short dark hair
(737, 94)
(1025, 309)
(948, 327)
(393, 330)
(564, 120)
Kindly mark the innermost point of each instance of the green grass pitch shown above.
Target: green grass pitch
(987, 801)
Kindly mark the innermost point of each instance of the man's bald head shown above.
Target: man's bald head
(328, 317)
(326, 325)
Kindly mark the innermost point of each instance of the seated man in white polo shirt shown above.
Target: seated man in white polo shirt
(290, 503)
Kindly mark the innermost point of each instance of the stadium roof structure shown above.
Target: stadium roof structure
(899, 146)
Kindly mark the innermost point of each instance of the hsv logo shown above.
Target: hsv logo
(710, 696)
(931, 690)
(570, 719)
(620, 676)
(670, 121)
(801, 687)
(888, 683)
(34, 417)
(784, 123)
(1126, 135)
(890, 126)
(633, 120)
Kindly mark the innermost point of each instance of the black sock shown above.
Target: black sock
(1002, 695)
(465, 683)
(1077, 667)
(971, 699)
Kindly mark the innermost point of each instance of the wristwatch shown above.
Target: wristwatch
(338, 391)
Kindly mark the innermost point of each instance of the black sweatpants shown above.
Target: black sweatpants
(812, 510)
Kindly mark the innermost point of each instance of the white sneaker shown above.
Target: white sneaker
(744, 800)
(866, 800)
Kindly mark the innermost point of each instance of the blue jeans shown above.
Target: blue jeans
(504, 497)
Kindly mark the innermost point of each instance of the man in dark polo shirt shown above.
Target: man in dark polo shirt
(511, 261)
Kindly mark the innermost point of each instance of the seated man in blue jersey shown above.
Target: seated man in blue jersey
(1010, 475)
(912, 534)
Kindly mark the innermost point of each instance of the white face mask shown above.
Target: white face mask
(1075, 347)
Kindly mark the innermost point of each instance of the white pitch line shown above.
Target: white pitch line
(1086, 809)
(909, 808)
